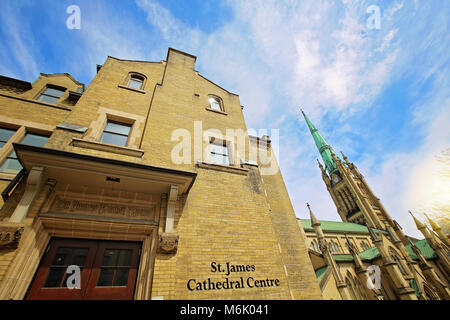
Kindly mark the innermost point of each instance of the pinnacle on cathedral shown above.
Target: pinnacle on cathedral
(325, 149)
(353, 197)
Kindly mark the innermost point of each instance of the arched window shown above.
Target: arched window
(315, 245)
(334, 246)
(396, 258)
(354, 287)
(350, 288)
(429, 293)
(215, 103)
(136, 81)
(358, 287)
(364, 245)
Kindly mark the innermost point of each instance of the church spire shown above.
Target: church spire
(436, 228)
(323, 146)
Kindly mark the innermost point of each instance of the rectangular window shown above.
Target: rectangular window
(51, 95)
(219, 153)
(116, 133)
(5, 135)
(12, 164)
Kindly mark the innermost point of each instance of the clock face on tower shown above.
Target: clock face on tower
(335, 179)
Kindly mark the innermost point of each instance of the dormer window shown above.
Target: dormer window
(51, 94)
(215, 103)
(136, 82)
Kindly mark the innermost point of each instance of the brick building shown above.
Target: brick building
(135, 180)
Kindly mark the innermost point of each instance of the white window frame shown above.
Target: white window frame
(226, 145)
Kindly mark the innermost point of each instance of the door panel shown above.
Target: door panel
(114, 272)
(50, 281)
(108, 270)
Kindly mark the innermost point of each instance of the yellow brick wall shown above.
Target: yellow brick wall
(244, 219)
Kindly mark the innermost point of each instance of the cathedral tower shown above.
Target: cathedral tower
(353, 197)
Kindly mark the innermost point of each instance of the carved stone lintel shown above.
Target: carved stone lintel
(10, 234)
(168, 242)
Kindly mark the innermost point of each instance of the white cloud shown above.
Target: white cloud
(279, 55)
(18, 40)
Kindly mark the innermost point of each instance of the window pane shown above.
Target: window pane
(118, 128)
(54, 277)
(53, 92)
(114, 139)
(218, 148)
(121, 278)
(106, 277)
(124, 258)
(11, 165)
(79, 256)
(219, 159)
(6, 134)
(48, 99)
(214, 104)
(110, 257)
(135, 83)
(62, 257)
(34, 140)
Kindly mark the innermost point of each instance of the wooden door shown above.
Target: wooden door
(108, 270)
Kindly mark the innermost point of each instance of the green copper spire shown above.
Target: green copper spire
(323, 146)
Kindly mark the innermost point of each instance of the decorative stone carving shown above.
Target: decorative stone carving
(168, 242)
(10, 234)
(108, 209)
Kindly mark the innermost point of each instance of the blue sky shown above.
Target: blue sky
(379, 95)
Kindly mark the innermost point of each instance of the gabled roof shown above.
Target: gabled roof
(64, 74)
(337, 226)
(423, 246)
(369, 254)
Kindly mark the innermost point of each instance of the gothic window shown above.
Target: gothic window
(350, 288)
(359, 289)
(354, 287)
(396, 258)
(315, 245)
(334, 246)
(429, 293)
(364, 245)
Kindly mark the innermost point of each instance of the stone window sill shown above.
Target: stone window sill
(223, 168)
(216, 111)
(100, 146)
(131, 89)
